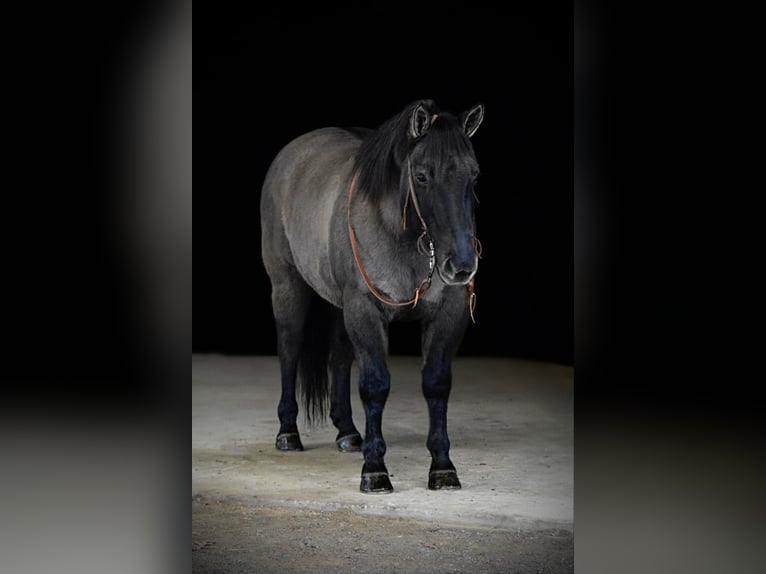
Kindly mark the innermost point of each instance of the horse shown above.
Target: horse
(361, 228)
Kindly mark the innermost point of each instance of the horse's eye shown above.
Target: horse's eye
(421, 177)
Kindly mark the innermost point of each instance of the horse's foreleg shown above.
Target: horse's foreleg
(440, 342)
(374, 385)
(369, 335)
(437, 383)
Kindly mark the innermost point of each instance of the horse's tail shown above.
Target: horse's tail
(314, 359)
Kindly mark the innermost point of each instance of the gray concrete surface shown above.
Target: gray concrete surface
(510, 424)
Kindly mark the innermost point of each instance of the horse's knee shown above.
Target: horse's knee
(437, 382)
(374, 385)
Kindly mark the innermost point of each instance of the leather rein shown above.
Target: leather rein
(425, 284)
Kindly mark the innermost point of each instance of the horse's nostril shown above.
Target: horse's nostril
(462, 276)
(458, 273)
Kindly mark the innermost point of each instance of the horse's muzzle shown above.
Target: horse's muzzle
(455, 272)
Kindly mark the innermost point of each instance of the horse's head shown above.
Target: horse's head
(441, 169)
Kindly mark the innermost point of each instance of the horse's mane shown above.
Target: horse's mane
(382, 153)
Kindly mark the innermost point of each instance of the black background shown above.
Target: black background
(328, 67)
(668, 413)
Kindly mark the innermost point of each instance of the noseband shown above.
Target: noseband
(425, 284)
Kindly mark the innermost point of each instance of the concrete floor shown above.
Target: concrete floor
(510, 424)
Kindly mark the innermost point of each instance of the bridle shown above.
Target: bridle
(425, 284)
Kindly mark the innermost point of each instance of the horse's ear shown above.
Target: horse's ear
(420, 121)
(471, 119)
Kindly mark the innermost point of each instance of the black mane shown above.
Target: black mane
(383, 152)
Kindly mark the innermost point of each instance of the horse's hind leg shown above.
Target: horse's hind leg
(290, 299)
(341, 357)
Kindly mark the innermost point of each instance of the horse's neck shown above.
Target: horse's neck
(394, 231)
(390, 209)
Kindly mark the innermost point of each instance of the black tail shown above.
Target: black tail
(314, 360)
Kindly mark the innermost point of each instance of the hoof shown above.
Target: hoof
(443, 480)
(289, 441)
(349, 443)
(376, 483)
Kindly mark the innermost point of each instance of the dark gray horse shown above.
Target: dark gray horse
(361, 228)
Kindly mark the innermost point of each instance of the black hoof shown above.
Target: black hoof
(376, 483)
(289, 441)
(349, 443)
(443, 480)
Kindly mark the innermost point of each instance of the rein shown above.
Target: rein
(425, 284)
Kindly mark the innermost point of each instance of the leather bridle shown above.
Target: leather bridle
(425, 284)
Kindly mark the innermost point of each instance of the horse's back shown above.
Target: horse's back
(317, 154)
(299, 204)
